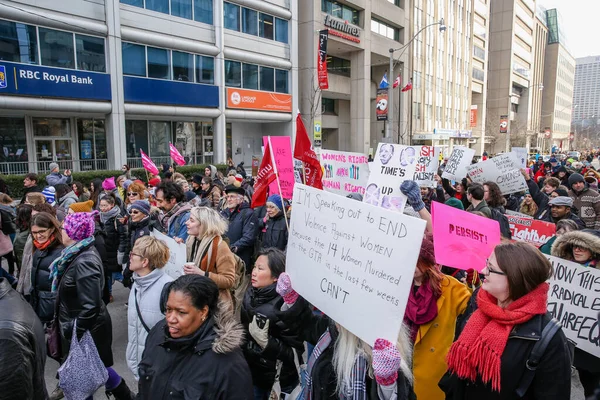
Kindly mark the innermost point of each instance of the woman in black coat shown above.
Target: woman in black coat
(274, 230)
(47, 245)
(115, 239)
(194, 353)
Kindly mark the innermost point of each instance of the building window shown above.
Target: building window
(267, 79)
(250, 21)
(183, 66)
(385, 29)
(57, 48)
(205, 70)
(91, 134)
(281, 30)
(161, 6)
(327, 106)
(18, 42)
(160, 136)
(90, 53)
(254, 23)
(203, 11)
(250, 76)
(181, 8)
(338, 66)
(14, 142)
(233, 73)
(266, 27)
(340, 10)
(395, 2)
(479, 52)
(478, 74)
(137, 3)
(199, 10)
(231, 15)
(137, 137)
(158, 63)
(281, 81)
(134, 59)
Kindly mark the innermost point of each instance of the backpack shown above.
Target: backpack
(240, 285)
(503, 221)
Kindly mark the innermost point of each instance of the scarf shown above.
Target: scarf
(46, 244)
(58, 266)
(421, 308)
(478, 350)
(164, 219)
(112, 213)
(197, 249)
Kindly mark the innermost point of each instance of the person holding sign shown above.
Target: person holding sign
(490, 358)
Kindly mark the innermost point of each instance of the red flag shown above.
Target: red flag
(408, 86)
(396, 82)
(148, 164)
(176, 155)
(304, 152)
(266, 175)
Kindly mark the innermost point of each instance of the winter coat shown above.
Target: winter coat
(205, 365)
(115, 241)
(32, 189)
(481, 207)
(80, 297)
(136, 230)
(262, 362)
(19, 246)
(147, 289)
(8, 215)
(242, 232)
(23, 354)
(220, 266)
(175, 226)
(213, 196)
(66, 201)
(434, 339)
(275, 233)
(55, 178)
(540, 198)
(588, 203)
(42, 300)
(453, 193)
(548, 218)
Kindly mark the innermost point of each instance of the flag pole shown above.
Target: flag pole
(287, 225)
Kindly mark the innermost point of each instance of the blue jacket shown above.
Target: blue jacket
(242, 232)
(55, 178)
(176, 226)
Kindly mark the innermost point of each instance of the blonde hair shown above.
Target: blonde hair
(5, 199)
(211, 221)
(35, 198)
(177, 176)
(155, 250)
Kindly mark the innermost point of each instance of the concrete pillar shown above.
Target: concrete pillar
(360, 107)
(220, 124)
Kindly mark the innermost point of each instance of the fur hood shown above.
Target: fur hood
(230, 332)
(563, 245)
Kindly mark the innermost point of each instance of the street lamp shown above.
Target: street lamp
(390, 124)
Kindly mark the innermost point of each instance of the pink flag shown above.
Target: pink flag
(148, 164)
(176, 155)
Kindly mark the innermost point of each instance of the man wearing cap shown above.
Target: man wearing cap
(243, 224)
(560, 208)
(176, 211)
(586, 200)
(55, 177)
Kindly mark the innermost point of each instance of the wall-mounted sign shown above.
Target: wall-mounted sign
(503, 123)
(176, 93)
(473, 115)
(317, 134)
(342, 29)
(256, 100)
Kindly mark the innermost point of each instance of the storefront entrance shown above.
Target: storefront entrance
(53, 143)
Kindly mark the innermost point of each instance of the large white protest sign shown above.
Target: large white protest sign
(521, 154)
(502, 169)
(353, 261)
(344, 172)
(456, 167)
(392, 165)
(177, 255)
(573, 300)
(427, 166)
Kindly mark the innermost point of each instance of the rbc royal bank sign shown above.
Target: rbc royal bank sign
(33, 80)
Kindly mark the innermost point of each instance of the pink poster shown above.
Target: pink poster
(462, 240)
(282, 152)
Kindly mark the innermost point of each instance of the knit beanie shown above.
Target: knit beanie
(49, 194)
(276, 200)
(238, 180)
(80, 226)
(84, 206)
(197, 179)
(562, 192)
(142, 206)
(427, 254)
(127, 183)
(154, 182)
(575, 178)
(454, 202)
(109, 184)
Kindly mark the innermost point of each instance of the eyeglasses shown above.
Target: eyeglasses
(579, 248)
(135, 254)
(133, 194)
(488, 265)
(41, 233)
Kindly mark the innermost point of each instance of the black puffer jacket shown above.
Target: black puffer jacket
(136, 230)
(42, 300)
(115, 241)
(242, 232)
(265, 301)
(80, 292)
(276, 233)
(205, 365)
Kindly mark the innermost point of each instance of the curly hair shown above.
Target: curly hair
(495, 198)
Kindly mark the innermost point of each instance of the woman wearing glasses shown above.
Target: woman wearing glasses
(489, 358)
(135, 191)
(47, 245)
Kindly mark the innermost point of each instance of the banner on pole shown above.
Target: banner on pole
(531, 230)
(282, 153)
(504, 124)
(344, 172)
(456, 167)
(381, 109)
(322, 75)
(502, 169)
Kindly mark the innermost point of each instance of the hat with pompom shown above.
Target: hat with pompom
(80, 226)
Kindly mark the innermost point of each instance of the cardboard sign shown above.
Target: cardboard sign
(521, 154)
(282, 152)
(392, 165)
(343, 172)
(456, 167)
(462, 240)
(502, 169)
(177, 254)
(427, 166)
(343, 257)
(573, 300)
(531, 230)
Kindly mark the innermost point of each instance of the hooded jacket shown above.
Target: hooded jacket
(242, 232)
(66, 201)
(563, 245)
(55, 178)
(42, 300)
(205, 365)
(275, 233)
(115, 240)
(146, 291)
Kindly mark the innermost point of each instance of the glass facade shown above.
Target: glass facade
(18, 42)
(252, 22)
(338, 66)
(91, 137)
(198, 10)
(339, 10)
(134, 59)
(13, 143)
(252, 76)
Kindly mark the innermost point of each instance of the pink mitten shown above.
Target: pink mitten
(284, 288)
(386, 362)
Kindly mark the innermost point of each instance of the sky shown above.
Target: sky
(579, 24)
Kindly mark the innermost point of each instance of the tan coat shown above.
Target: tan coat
(221, 269)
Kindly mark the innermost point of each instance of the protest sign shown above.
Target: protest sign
(427, 166)
(282, 153)
(343, 257)
(573, 300)
(516, 214)
(531, 230)
(177, 255)
(456, 167)
(503, 170)
(344, 172)
(392, 165)
(460, 239)
(521, 154)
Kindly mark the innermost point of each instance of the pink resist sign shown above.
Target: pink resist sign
(462, 240)
(282, 152)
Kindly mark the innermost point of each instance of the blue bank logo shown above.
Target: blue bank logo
(3, 82)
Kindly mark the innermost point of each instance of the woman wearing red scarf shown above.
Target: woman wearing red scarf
(488, 359)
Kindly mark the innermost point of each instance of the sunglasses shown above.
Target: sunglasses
(133, 194)
(134, 212)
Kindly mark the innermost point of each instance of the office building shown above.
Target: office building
(586, 100)
(90, 83)
(537, 139)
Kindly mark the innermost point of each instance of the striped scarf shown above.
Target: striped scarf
(57, 268)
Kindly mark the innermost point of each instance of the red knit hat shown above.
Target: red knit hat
(154, 182)
(427, 254)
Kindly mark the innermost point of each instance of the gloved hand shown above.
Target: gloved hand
(413, 192)
(386, 362)
(120, 257)
(284, 288)
(473, 278)
(261, 336)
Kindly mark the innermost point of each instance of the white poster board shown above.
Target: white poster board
(502, 169)
(459, 160)
(392, 165)
(521, 154)
(427, 166)
(177, 255)
(344, 172)
(353, 261)
(573, 300)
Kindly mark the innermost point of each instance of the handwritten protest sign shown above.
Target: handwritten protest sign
(392, 165)
(573, 300)
(177, 255)
(282, 152)
(427, 166)
(531, 230)
(343, 257)
(460, 239)
(521, 155)
(503, 170)
(456, 167)
(516, 214)
(344, 172)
